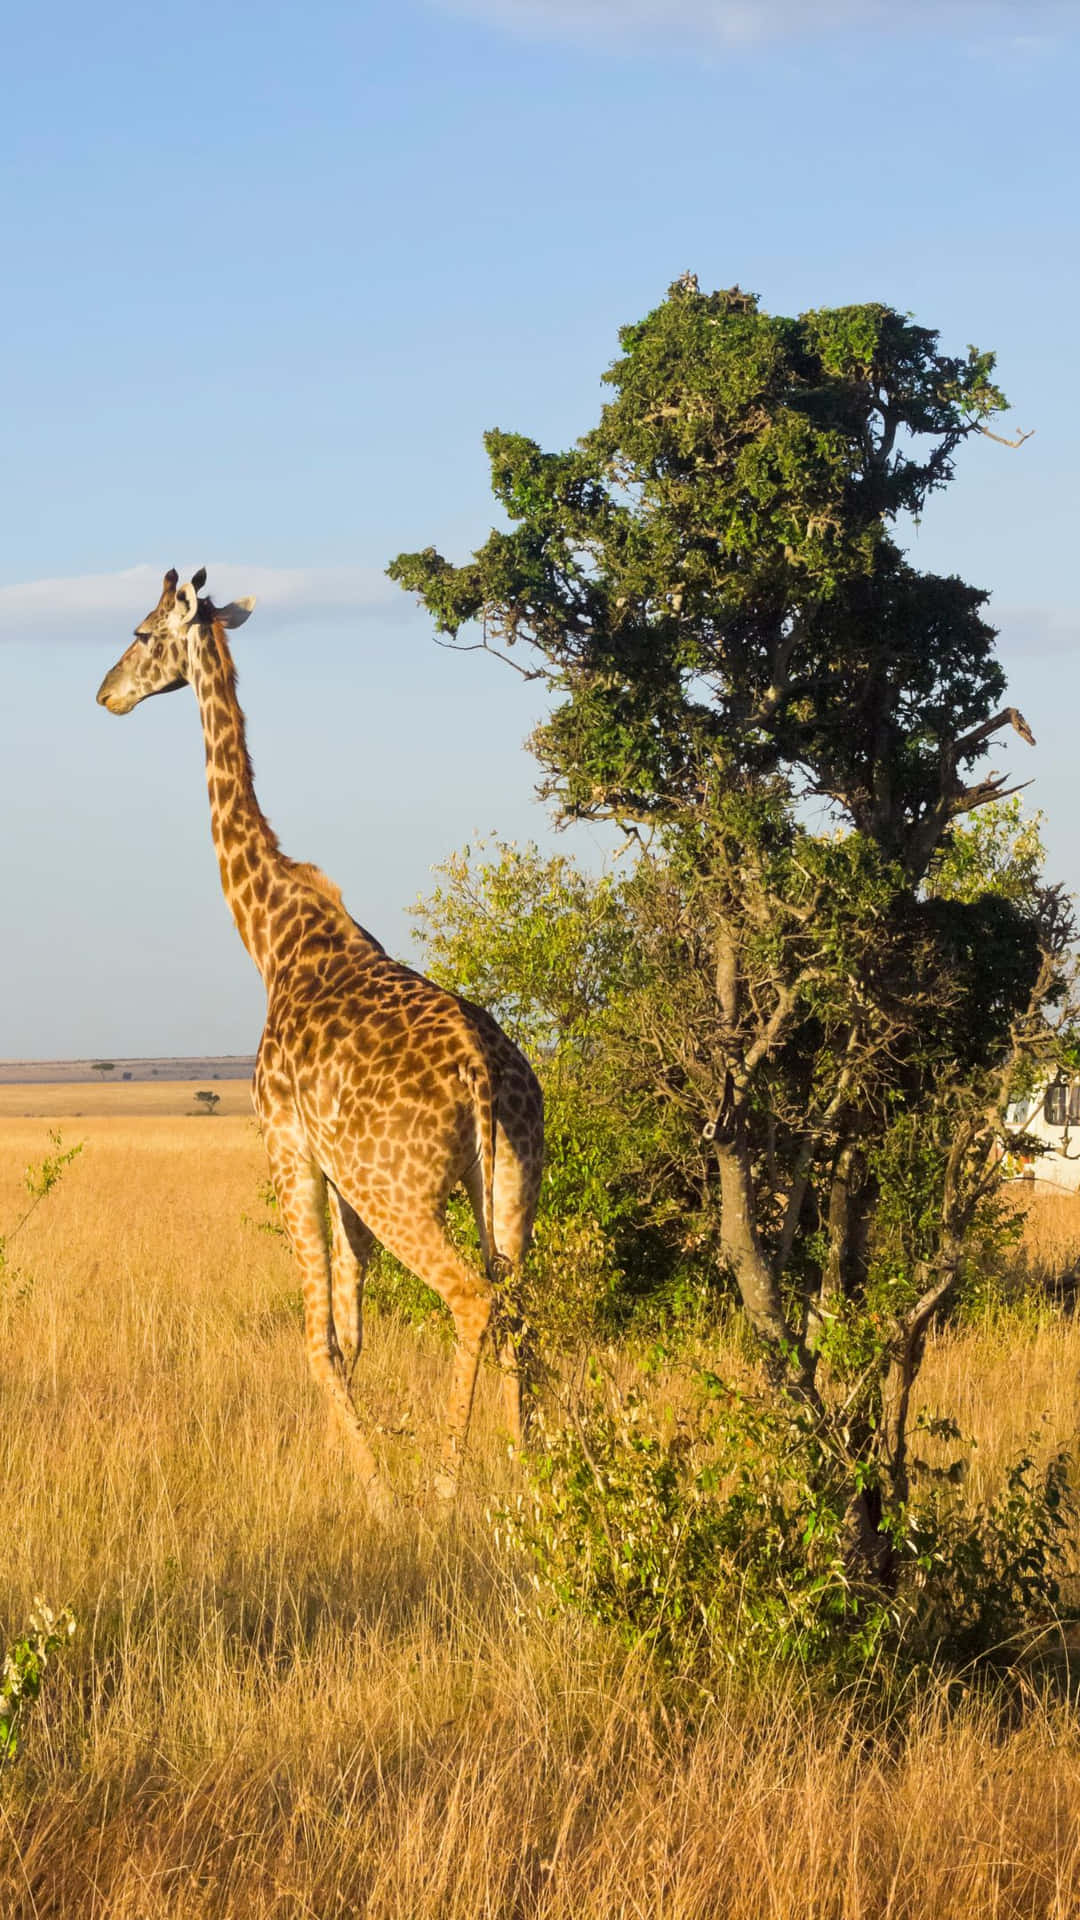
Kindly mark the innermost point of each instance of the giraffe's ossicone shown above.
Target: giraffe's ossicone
(377, 1091)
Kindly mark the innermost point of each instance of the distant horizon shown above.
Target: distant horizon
(136, 1067)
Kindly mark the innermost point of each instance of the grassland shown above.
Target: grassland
(116, 1100)
(273, 1708)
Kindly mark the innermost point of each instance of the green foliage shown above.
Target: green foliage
(710, 570)
(719, 1534)
(1002, 1293)
(998, 851)
(799, 1066)
(716, 1535)
(23, 1671)
(40, 1179)
(530, 937)
(208, 1103)
(550, 950)
(709, 583)
(44, 1176)
(269, 1221)
(982, 1580)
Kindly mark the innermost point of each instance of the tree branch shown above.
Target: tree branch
(485, 646)
(1001, 439)
(1008, 717)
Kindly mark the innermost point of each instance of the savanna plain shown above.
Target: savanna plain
(274, 1707)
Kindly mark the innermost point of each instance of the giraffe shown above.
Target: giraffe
(377, 1091)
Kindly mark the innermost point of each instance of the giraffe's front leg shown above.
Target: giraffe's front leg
(301, 1195)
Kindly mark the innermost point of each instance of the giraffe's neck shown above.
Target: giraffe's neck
(251, 862)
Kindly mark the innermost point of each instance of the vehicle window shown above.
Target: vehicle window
(1054, 1104)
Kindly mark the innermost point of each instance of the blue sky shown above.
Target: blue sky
(272, 271)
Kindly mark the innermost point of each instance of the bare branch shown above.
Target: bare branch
(1008, 717)
(989, 789)
(484, 646)
(775, 692)
(953, 796)
(1001, 439)
(773, 1031)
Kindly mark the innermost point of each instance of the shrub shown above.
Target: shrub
(40, 1180)
(719, 1535)
(23, 1671)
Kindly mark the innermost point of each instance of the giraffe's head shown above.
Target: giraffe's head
(159, 658)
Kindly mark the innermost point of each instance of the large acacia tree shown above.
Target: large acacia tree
(751, 677)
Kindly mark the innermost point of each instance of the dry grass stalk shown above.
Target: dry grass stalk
(275, 1710)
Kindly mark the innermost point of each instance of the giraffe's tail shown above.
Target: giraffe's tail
(485, 1102)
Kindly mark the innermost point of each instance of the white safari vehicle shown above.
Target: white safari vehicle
(1052, 1117)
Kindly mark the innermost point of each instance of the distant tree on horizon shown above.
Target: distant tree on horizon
(103, 1067)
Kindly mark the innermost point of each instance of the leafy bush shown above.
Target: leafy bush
(23, 1671)
(720, 1535)
(550, 950)
(982, 1578)
(40, 1180)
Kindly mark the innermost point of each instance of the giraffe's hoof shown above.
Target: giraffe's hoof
(404, 1428)
(380, 1500)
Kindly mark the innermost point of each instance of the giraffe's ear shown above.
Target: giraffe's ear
(236, 612)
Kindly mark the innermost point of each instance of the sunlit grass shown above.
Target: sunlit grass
(273, 1708)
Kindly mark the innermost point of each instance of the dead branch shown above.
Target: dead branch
(485, 646)
(1003, 442)
(1008, 717)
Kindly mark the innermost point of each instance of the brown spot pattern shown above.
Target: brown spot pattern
(377, 1091)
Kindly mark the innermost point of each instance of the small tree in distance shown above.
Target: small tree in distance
(208, 1102)
(102, 1067)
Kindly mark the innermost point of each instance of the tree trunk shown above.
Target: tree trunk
(741, 1248)
(902, 1366)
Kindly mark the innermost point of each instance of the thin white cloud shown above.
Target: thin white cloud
(743, 22)
(86, 606)
(97, 606)
(1036, 632)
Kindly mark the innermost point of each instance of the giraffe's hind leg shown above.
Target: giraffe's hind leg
(351, 1243)
(301, 1195)
(514, 1201)
(420, 1241)
(514, 1197)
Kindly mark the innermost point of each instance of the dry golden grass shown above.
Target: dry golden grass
(1050, 1246)
(274, 1709)
(115, 1099)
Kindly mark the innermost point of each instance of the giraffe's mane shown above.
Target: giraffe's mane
(315, 877)
(228, 666)
(301, 870)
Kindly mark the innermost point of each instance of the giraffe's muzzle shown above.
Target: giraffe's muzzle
(113, 697)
